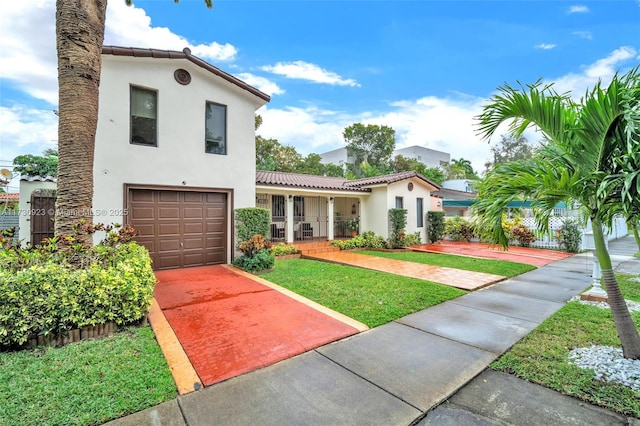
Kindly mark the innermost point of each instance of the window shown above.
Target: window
(216, 129)
(399, 203)
(298, 208)
(420, 212)
(277, 208)
(144, 112)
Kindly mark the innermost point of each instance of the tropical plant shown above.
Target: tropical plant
(282, 249)
(570, 236)
(591, 148)
(459, 229)
(435, 223)
(79, 38)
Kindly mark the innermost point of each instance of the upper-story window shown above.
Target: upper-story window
(144, 113)
(215, 140)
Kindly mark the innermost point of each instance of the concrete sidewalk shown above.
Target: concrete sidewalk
(397, 373)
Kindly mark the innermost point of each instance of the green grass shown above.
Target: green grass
(84, 383)
(489, 266)
(371, 297)
(542, 356)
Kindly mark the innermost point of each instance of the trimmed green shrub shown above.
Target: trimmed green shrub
(570, 236)
(282, 249)
(251, 221)
(398, 221)
(366, 240)
(49, 290)
(412, 239)
(435, 223)
(258, 262)
(459, 229)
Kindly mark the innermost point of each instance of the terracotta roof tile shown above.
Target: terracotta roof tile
(139, 52)
(394, 177)
(14, 196)
(297, 180)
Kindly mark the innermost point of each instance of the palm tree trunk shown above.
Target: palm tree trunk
(636, 234)
(627, 331)
(79, 36)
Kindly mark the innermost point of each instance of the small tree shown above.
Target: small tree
(252, 221)
(398, 221)
(435, 223)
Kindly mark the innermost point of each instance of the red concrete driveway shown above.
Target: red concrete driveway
(530, 256)
(229, 324)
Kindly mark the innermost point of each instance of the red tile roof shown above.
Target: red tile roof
(296, 180)
(185, 54)
(14, 196)
(394, 177)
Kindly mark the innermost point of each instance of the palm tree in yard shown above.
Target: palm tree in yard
(79, 36)
(590, 158)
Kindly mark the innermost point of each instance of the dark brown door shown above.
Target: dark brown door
(43, 206)
(180, 229)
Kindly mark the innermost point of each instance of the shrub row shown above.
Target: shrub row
(370, 240)
(43, 293)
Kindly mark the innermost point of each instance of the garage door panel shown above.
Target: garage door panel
(165, 212)
(143, 212)
(215, 226)
(180, 228)
(169, 228)
(168, 196)
(193, 227)
(193, 212)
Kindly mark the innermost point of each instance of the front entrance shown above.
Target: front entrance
(180, 228)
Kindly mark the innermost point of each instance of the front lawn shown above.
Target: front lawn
(85, 383)
(542, 356)
(371, 297)
(488, 266)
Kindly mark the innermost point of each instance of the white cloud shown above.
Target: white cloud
(601, 70)
(131, 26)
(28, 57)
(25, 130)
(265, 85)
(442, 124)
(311, 72)
(578, 9)
(583, 34)
(545, 46)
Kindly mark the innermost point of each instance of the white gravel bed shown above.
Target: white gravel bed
(633, 306)
(607, 361)
(608, 364)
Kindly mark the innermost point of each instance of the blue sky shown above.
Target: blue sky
(424, 68)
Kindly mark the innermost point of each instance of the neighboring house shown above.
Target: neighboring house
(174, 153)
(307, 207)
(463, 185)
(427, 156)
(456, 203)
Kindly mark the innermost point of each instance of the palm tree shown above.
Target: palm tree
(79, 37)
(587, 158)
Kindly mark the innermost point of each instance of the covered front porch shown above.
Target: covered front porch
(296, 216)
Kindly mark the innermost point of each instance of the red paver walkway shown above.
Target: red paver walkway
(458, 278)
(530, 256)
(229, 324)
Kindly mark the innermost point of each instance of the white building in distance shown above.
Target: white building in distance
(427, 156)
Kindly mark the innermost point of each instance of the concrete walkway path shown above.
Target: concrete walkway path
(466, 280)
(396, 374)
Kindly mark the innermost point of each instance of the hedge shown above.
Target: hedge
(251, 221)
(49, 296)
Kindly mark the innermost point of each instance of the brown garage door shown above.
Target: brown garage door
(180, 229)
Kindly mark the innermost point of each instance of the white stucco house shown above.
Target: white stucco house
(174, 152)
(307, 207)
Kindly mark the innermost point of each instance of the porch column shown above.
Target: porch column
(290, 219)
(330, 221)
(362, 215)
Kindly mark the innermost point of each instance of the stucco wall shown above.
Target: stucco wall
(401, 189)
(179, 160)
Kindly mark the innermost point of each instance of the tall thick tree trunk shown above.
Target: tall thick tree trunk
(79, 37)
(627, 331)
